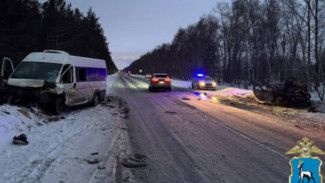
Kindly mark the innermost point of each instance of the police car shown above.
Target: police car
(202, 82)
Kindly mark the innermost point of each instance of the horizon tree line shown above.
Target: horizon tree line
(28, 26)
(246, 42)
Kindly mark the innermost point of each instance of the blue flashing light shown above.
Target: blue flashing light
(200, 75)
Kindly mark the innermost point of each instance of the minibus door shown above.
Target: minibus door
(69, 84)
(6, 68)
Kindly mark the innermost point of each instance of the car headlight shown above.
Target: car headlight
(201, 84)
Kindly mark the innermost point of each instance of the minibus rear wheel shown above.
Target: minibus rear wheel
(58, 105)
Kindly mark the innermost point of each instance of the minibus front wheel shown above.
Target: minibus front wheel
(58, 105)
(95, 100)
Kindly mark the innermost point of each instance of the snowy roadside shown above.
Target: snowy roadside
(245, 99)
(81, 145)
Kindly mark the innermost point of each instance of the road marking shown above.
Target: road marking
(253, 141)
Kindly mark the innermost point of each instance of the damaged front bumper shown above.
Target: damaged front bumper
(26, 96)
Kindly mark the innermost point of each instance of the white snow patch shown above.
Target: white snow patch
(110, 82)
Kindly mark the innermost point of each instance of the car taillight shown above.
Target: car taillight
(167, 80)
(154, 80)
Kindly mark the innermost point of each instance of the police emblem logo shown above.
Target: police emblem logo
(305, 168)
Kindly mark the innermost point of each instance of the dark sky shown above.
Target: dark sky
(134, 27)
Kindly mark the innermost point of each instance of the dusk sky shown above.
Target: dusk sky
(134, 27)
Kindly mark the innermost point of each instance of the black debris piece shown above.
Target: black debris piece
(20, 140)
(185, 98)
(312, 109)
(135, 161)
(101, 167)
(94, 161)
(138, 157)
(170, 112)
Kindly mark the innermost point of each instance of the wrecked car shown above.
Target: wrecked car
(293, 92)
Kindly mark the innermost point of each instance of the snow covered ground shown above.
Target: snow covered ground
(65, 148)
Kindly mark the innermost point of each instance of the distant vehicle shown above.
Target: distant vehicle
(201, 82)
(121, 72)
(129, 73)
(147, 76)
(59, 79)
(160, 81)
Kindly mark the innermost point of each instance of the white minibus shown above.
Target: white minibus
(59, 79)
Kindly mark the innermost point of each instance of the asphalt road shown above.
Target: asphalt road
(202, 141)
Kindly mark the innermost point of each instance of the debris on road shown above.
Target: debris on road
(6, 112)
(94, 161)
(55, 118)
(185, 98)
(101, 167)
(24, 112)
(170, 112)
(135, 161)
(40, 123)
(297, 126)
(138, 157)
(312, 109)
(20, 140)
(95, 153)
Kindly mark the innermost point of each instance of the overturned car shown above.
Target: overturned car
(293, 92)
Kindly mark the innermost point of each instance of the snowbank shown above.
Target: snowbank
(60, 146)
(181, 84)
(221, 90)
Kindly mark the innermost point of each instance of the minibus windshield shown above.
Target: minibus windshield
(37, 70)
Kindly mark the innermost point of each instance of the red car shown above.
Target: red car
(160, 81)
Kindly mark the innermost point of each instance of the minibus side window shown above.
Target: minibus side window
(81, 74)
(67, 74)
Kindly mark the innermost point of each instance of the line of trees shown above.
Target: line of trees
(27, 26)
(248, 41)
